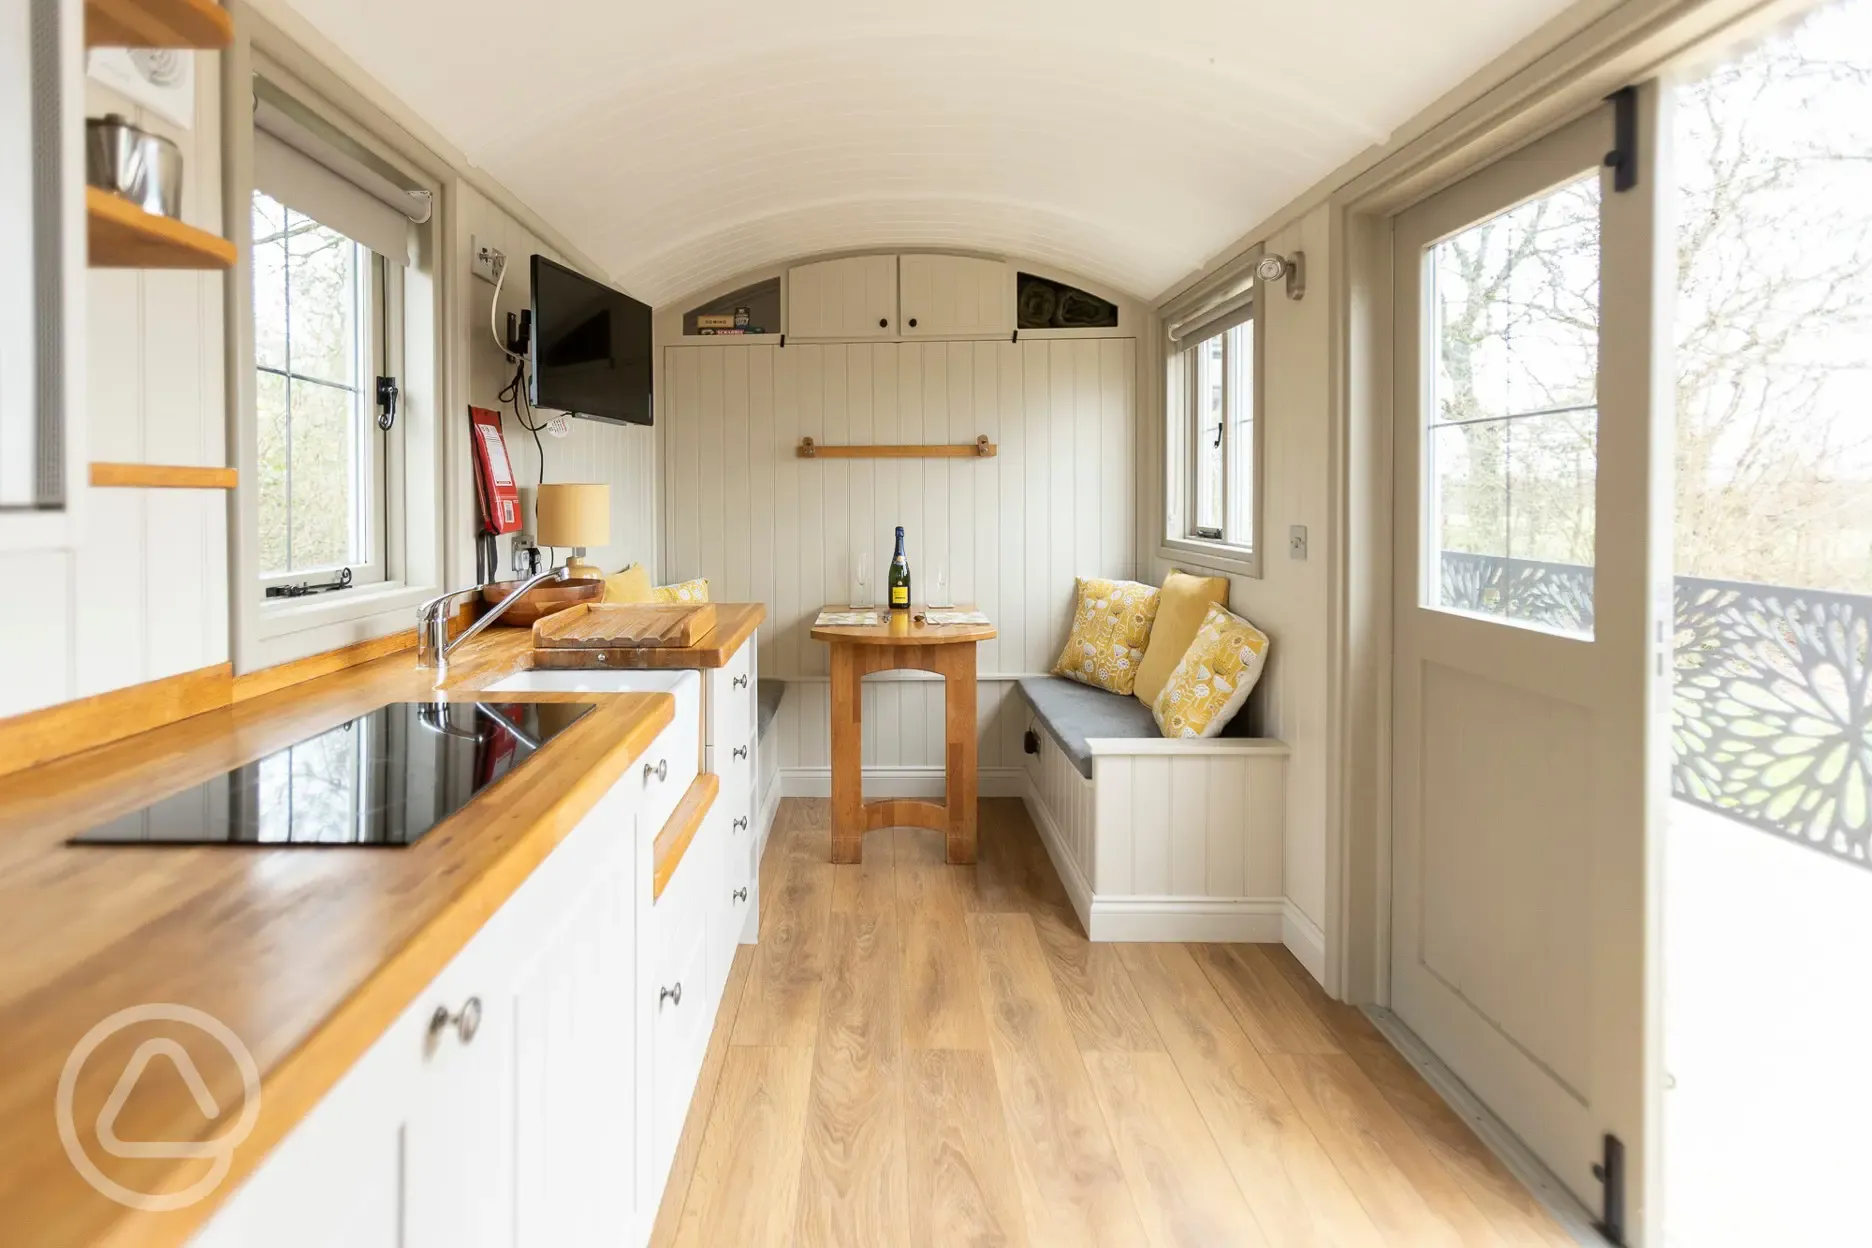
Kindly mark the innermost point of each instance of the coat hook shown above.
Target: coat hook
(806, 447)
(981, 445)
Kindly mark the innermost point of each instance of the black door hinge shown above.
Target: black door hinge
(1622, 160)
(1611, 1175)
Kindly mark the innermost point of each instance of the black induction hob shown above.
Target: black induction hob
(384, 779)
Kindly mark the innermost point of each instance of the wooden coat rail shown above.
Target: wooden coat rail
(980, 448)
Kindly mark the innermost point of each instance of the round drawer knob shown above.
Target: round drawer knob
(660, 771)
(740, 824)
(740, 894)
(740, 751)
(913, 322)
(740, 682)
(466, 1022)
(883, 322)
(672, 995)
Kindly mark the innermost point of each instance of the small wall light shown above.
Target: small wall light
(1273, 268)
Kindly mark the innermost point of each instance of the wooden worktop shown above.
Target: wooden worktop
(735, 622)
(306, 955)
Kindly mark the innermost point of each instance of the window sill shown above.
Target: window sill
(282, 618)
(1210, 556)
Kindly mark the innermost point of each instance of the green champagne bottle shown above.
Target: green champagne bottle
(900, 576)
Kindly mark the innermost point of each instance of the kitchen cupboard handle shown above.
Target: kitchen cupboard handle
(740, 894)
(740, 682)
(740, 824)
(883, 322)
(660, 771)
(913, 322)
(466, 1023)
(673, 995)
(740, 751)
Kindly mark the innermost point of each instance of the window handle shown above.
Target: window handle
(387, 395)
(1218, 437)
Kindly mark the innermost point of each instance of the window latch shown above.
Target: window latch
(340, 581)
(1218, 438)
(387, 396)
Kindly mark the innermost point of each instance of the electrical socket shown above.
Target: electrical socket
(488, 261)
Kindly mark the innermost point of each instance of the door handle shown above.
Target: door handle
(672, 995)
(466, 1023)
(660, 771)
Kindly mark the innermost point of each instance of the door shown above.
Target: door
(854, 297)
(952, 296)
(1521, 934)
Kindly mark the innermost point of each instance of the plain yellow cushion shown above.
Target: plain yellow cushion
(1185, 600)
(630, 585)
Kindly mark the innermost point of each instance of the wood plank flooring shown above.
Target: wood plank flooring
(925, 1055)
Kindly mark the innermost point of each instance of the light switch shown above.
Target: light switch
(1296, 541)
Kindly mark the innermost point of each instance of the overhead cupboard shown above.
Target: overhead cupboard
(899, 296)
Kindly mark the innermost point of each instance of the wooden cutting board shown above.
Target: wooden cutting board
(615, 625)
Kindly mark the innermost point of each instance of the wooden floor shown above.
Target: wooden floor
(929, 1055)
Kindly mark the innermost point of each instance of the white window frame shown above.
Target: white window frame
(1183, 540)
(380, 330)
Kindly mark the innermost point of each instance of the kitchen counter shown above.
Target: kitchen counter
(306, 955)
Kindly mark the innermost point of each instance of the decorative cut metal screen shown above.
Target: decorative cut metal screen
(1771, 713)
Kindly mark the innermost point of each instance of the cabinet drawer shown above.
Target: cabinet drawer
(731, 697)
(665, 770)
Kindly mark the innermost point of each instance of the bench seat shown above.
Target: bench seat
(1074, 713)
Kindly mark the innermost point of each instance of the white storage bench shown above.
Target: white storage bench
(1155, 839)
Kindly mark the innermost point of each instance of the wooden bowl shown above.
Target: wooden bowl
(542, 600)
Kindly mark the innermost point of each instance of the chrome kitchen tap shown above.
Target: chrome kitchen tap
(432, 621)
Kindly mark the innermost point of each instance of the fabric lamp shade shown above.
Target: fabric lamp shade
(574, 514)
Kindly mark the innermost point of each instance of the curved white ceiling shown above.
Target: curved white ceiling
(682, 144)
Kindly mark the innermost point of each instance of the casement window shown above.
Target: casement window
(334, 232)
(323, 334)
(1212, 405)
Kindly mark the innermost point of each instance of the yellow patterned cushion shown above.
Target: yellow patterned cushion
(683, 591)
(630, 585)
(1213, 680)
(1180, 613)
(1111, 626)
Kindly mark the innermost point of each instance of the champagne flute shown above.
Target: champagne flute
(861, 580)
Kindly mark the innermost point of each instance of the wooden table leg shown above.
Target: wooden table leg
(961, 782)
(848, 816)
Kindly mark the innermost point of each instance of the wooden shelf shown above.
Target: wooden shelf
(163, 476)
(157, 24)
(123, 236)
(980, 448)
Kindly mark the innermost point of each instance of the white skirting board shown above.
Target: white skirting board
(901, 782)
(1304, 940)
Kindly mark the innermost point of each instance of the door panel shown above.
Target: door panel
(1521, 931)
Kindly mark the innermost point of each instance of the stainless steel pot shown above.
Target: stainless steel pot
(144, 168)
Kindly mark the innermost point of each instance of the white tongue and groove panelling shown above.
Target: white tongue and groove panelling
(1012, 531)
(681, 144)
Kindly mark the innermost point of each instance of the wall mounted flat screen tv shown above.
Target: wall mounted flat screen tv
(590, 347)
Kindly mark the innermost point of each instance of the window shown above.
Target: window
(1511, 437)
(1212, 401)
(319, 346)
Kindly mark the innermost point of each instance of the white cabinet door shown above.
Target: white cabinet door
(575, 1145)
(949, 296)
(855, 297)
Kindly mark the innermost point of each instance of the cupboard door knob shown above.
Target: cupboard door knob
(740, 751)
(883, 322)
(740, 682)
(672, 995)
(740, 894)
(913, 322)
(660, 771)
(466, 1023)
(740, 824)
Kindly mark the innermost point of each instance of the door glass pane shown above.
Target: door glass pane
(1211, 412)
(1511, 444)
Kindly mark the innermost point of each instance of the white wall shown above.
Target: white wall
(591, 450)
(1058, 501)
(1289, 601)
(144, 595)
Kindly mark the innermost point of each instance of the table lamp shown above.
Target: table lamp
(575, 515)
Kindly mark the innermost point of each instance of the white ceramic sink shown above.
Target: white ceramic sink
(581, 681)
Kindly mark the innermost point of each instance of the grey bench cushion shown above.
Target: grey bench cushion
(767, 694)
(1073, 712)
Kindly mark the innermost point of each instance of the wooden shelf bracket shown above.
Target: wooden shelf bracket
(980, 448)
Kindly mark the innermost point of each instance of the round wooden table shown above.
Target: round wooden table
(902, 644)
